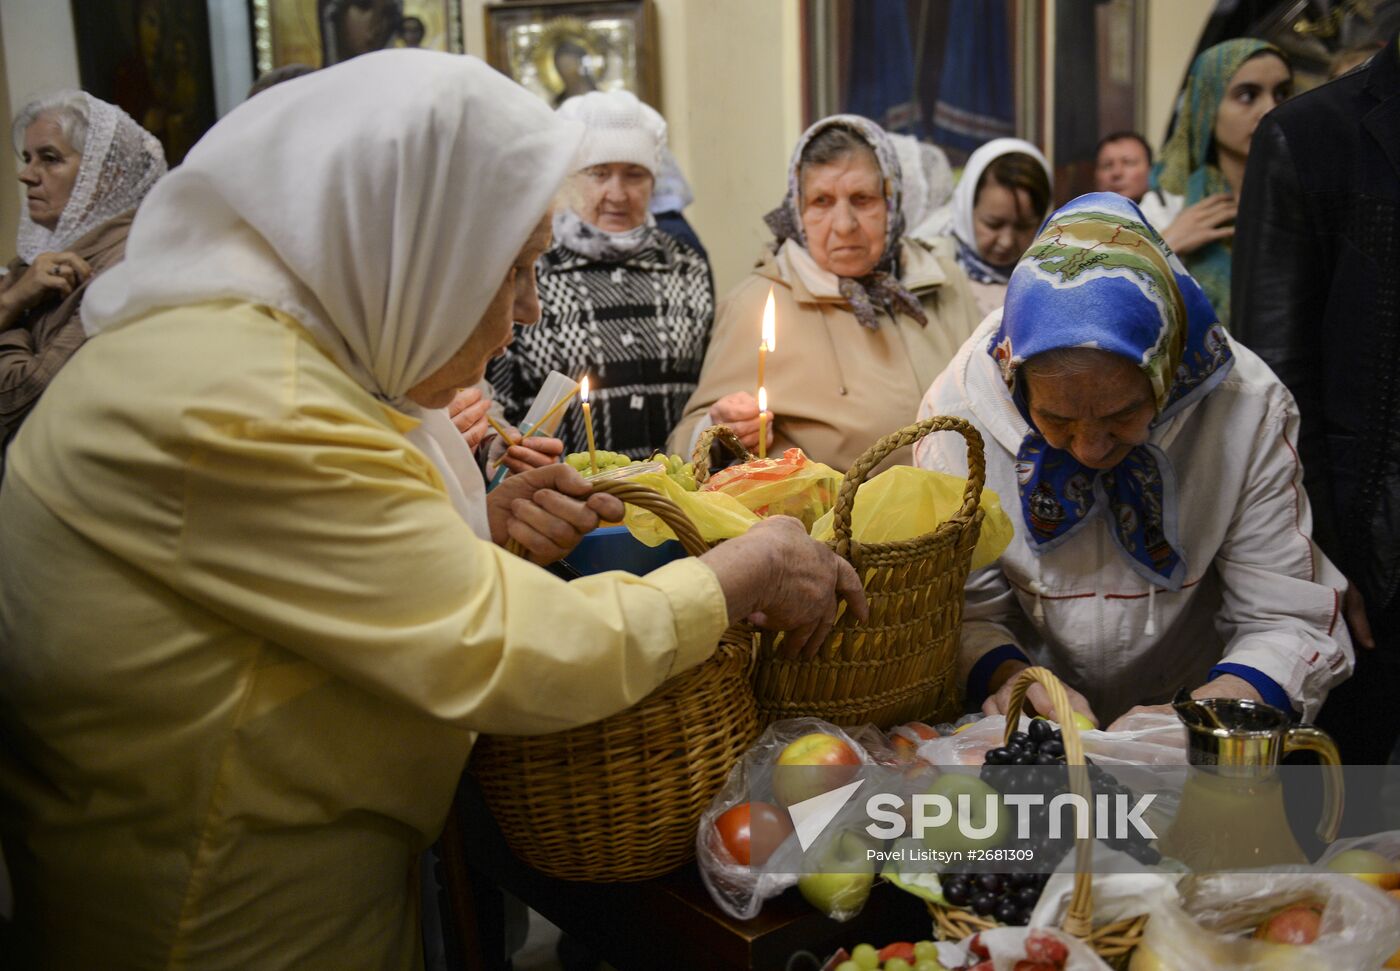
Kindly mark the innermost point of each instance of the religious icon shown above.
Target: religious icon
(151, 58)
(325, 32)
(567, 47)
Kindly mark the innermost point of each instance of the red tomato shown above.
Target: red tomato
(751, 831)
(899, 949)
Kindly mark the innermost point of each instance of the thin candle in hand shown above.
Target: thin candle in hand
(763, 423)
(588, 426)
(770, 336)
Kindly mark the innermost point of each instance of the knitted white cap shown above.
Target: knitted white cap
(620, 128)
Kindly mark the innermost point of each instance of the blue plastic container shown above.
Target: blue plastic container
(614, 548)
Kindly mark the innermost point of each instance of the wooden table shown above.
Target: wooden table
(668, 922)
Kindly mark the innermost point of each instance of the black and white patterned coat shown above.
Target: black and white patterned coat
(638, 328)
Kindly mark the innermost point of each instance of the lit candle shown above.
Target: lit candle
(763, 423)
(588, 426)
(769, 339)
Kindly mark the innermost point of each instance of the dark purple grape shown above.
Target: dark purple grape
(1023, 758)
(1020, 738)
(999, 756)
(983, 904)
(990, 882)
(1052, 746)
(957, 893)
(1040, 730)
(1007, 912)
(1027, 897)
(1020, 881)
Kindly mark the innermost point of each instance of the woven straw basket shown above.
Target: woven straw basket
(1113, 942)
(620, 799)
(899, 665)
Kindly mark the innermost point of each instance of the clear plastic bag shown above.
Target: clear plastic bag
(792, 485)
(1217, 913)
(904, 502)
(738, 889)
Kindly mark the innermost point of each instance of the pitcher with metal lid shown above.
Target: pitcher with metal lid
(1232, 813)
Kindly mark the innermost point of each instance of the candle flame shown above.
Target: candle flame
(770, 330)
(583, 390)
(762, 399)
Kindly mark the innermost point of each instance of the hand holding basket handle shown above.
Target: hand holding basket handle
(774, 575)
(779, 578)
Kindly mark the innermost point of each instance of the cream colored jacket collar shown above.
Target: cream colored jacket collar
(793, 266)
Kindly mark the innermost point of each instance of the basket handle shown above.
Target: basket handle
(877, 453)
(723, 434)
(652, 501)
(1079, 918)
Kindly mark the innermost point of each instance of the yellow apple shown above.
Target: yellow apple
(1145, 959)
(1368, 866)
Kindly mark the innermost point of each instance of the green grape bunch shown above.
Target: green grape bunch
(680, 471)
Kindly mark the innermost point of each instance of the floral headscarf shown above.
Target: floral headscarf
(120, 163)
(881, 285)
(1185, 168)
(1099, 276)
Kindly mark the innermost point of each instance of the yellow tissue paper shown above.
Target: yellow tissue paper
(904, 502)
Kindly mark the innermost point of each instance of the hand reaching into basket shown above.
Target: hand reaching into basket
(1004, 680)
(781, 579)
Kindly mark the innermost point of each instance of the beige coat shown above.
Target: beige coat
(834, 387)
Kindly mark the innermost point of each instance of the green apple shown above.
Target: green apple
(842, 878)
(949, 837)
(1368, 866)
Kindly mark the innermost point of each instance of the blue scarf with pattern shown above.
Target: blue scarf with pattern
(1099, 276)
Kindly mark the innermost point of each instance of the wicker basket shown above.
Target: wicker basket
(620, 799)
(1113, 942)
(897, 666)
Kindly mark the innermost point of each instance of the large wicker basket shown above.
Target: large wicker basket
(620, 799)
(898, 665)
(1114, 942)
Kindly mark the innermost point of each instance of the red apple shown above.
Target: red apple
(905, 739)
(835, 761)
(1294, 924)
(751, 831)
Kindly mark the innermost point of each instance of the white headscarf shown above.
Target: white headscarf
(965, 193)
(380, 202)
(120, 163)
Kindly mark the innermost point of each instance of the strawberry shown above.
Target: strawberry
(899, 949)
(977, 948)
(1046, 950)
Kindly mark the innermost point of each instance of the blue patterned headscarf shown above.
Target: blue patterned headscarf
(1099, 276)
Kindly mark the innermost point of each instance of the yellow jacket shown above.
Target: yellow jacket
(834, 387)
(245, 642)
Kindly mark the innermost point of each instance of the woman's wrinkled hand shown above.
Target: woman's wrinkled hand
(533, 453)
(740, 412)
(1201, 224)
(781, 579)
(468, 412)
(547, 510)
(999, 702)
(59, 273)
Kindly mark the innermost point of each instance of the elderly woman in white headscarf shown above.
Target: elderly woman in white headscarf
(251, 607)
(87, 165)
(625, 304)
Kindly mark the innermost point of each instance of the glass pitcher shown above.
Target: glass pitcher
(1232, 812)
